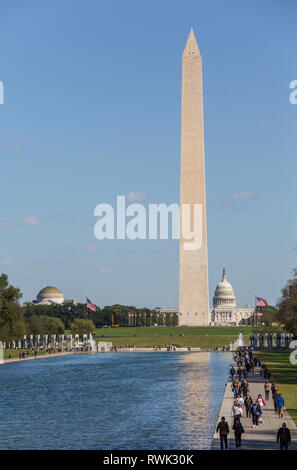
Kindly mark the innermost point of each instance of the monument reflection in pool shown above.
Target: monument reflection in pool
(201, 391)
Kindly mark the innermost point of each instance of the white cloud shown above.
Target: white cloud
(7, 261)
(31, 220)
(244, 194)
(135, 197)
(106, 269)
(4, 224)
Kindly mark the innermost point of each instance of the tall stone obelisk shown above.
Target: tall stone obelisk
(193, 269)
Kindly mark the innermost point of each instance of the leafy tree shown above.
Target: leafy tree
(52, 325)
(69, 312)
(81, 326)
(12, 325)
(35, 325)
(270, 315)
(287, 312)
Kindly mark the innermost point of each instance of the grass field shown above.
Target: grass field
(284, 374)
(203, 337)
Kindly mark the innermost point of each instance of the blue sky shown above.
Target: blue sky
(92, 110)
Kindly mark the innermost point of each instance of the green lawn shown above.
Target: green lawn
(203, 337)
(284, 374)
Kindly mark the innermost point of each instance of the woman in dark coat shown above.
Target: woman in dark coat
(248, 404)
(238, 430)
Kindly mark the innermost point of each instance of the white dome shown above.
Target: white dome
(224, 295)
(50, 295)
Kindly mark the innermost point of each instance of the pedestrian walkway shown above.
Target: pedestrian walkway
(264, 437)
(32, 358)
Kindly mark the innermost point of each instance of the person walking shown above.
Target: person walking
(273, 389)
(248, 405)
(267, 390)
(238, 431)
(236, 410)
(261, 402)
(280, 403)
(232, 372)
(244, 388)
(239, 372)
(255, 413)
(265, 372)
(240, 403)
(274, 400)
(223, 430)
(283, 437)
(235, 388)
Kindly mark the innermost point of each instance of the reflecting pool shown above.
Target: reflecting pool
(112, 401)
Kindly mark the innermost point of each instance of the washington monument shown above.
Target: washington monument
(193, 268)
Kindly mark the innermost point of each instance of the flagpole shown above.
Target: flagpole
(87, 327)
(255, 313)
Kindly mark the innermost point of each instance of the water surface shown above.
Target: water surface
(112, 401)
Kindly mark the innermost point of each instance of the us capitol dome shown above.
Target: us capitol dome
(50, 296)
(224, 294)
(224, 310)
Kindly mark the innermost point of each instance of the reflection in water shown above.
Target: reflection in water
(112, 401)
(202, 386)
(194, 398)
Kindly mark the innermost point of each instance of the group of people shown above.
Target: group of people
(24, 355)
(246, 364)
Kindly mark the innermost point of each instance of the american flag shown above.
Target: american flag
(90, 305)
(260, 302)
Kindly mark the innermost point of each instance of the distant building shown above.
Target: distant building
(50, 296)
(224, 310)
(167, 311)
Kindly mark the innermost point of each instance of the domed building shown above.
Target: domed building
(224, 310)
(224, 294)
(51, 295)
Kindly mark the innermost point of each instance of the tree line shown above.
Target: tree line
(123, 315)
(17, 321)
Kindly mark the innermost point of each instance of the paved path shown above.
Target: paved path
(264, 437)
(31, 358)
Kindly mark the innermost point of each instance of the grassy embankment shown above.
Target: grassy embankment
(203, 337)
(284, 374)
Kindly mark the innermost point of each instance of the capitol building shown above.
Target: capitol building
(224, 310)
(51, 296)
